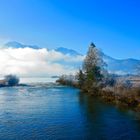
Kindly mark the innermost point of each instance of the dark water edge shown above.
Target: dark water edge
(60, 112)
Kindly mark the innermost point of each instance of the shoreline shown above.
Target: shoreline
(129, 98)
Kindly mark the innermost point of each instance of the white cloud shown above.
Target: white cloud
(36, 62)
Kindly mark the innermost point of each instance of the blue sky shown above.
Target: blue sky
(113, 25)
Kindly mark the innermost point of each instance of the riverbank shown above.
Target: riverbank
(129, 98)
(125, 96)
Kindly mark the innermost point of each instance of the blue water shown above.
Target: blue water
(58, 112)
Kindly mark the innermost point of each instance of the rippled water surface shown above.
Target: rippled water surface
(57, 112)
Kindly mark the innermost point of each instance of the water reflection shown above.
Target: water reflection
(106, 121)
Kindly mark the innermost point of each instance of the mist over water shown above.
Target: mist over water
(58, 112)
(37, 80)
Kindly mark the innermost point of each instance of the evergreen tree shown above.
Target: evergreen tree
(81, 78)
(93, 68)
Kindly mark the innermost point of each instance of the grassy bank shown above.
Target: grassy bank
(118, 94)
(122, 96)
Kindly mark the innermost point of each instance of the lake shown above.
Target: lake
(48, 111)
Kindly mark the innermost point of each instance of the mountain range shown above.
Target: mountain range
(116, 66)
(14, 44)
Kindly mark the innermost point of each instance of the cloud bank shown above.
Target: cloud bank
(31, 62)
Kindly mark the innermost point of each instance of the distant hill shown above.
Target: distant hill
(14, 44)
(67, 51)
(121, 66)
(117, 66)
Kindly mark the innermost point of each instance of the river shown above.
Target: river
(57, 112)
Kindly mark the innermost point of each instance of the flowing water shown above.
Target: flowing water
(56, 112)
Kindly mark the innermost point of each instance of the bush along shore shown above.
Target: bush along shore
(9, 80)
(94, 79)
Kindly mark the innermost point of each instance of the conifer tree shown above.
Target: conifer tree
(81, 78)
(93, 67)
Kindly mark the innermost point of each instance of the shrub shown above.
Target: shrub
(11, 80)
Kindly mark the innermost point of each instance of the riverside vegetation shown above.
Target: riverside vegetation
(94, 79)
(9, 80)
